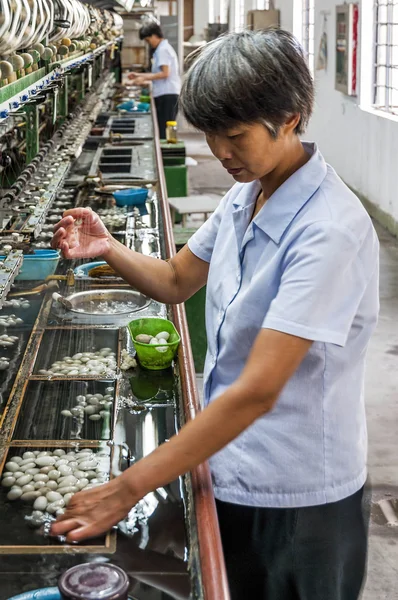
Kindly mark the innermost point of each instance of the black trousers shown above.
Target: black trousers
(166, 110)
(314, 553)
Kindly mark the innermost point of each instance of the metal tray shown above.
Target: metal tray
(88, 302)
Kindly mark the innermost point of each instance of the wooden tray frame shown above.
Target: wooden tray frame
(109, 547)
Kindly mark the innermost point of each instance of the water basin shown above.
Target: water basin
(105, 302)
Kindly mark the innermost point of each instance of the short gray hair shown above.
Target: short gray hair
(252, 76)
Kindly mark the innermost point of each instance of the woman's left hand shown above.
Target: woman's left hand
(94, 512)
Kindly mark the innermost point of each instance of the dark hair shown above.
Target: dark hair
(149, 29)
(252, 76)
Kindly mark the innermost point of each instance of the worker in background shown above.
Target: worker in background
(165, 77)
(290, 261)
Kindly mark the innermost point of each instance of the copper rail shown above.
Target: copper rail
(211, 554)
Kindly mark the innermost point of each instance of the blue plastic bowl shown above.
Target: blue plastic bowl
(128, 105)
(38, 266)
(143, 107)
(131, 197)
(50, 593)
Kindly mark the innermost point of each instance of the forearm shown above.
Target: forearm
(154, 76)
(198, 440)
(153, 277)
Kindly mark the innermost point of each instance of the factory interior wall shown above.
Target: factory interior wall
(361, 146)
(200, 17)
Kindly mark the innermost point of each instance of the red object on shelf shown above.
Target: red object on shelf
(355, 19)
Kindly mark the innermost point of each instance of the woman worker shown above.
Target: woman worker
(290, 259)
(165, 77)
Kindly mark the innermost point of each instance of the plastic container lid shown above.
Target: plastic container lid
(94, 581)
(171, 123)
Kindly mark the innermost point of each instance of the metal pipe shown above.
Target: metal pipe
(34, 291)
(180, 34)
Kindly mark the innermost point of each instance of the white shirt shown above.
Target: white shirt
(307, 265)
(163, 56)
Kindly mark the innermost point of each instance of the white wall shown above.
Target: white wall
(286, 10)
(361, 146)
(200, 16)
(202, 12)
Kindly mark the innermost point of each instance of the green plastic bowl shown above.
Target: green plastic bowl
(148, 355)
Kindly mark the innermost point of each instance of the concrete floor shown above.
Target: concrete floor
(381, 387)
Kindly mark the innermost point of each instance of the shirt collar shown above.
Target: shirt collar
(162, 43)
(284, 204)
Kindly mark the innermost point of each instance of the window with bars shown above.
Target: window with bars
(385, 82)
(307, 31)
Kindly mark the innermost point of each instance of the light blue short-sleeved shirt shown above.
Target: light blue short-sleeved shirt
(307, 265)
(163, 56)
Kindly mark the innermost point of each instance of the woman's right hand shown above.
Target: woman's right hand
(81, 234)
